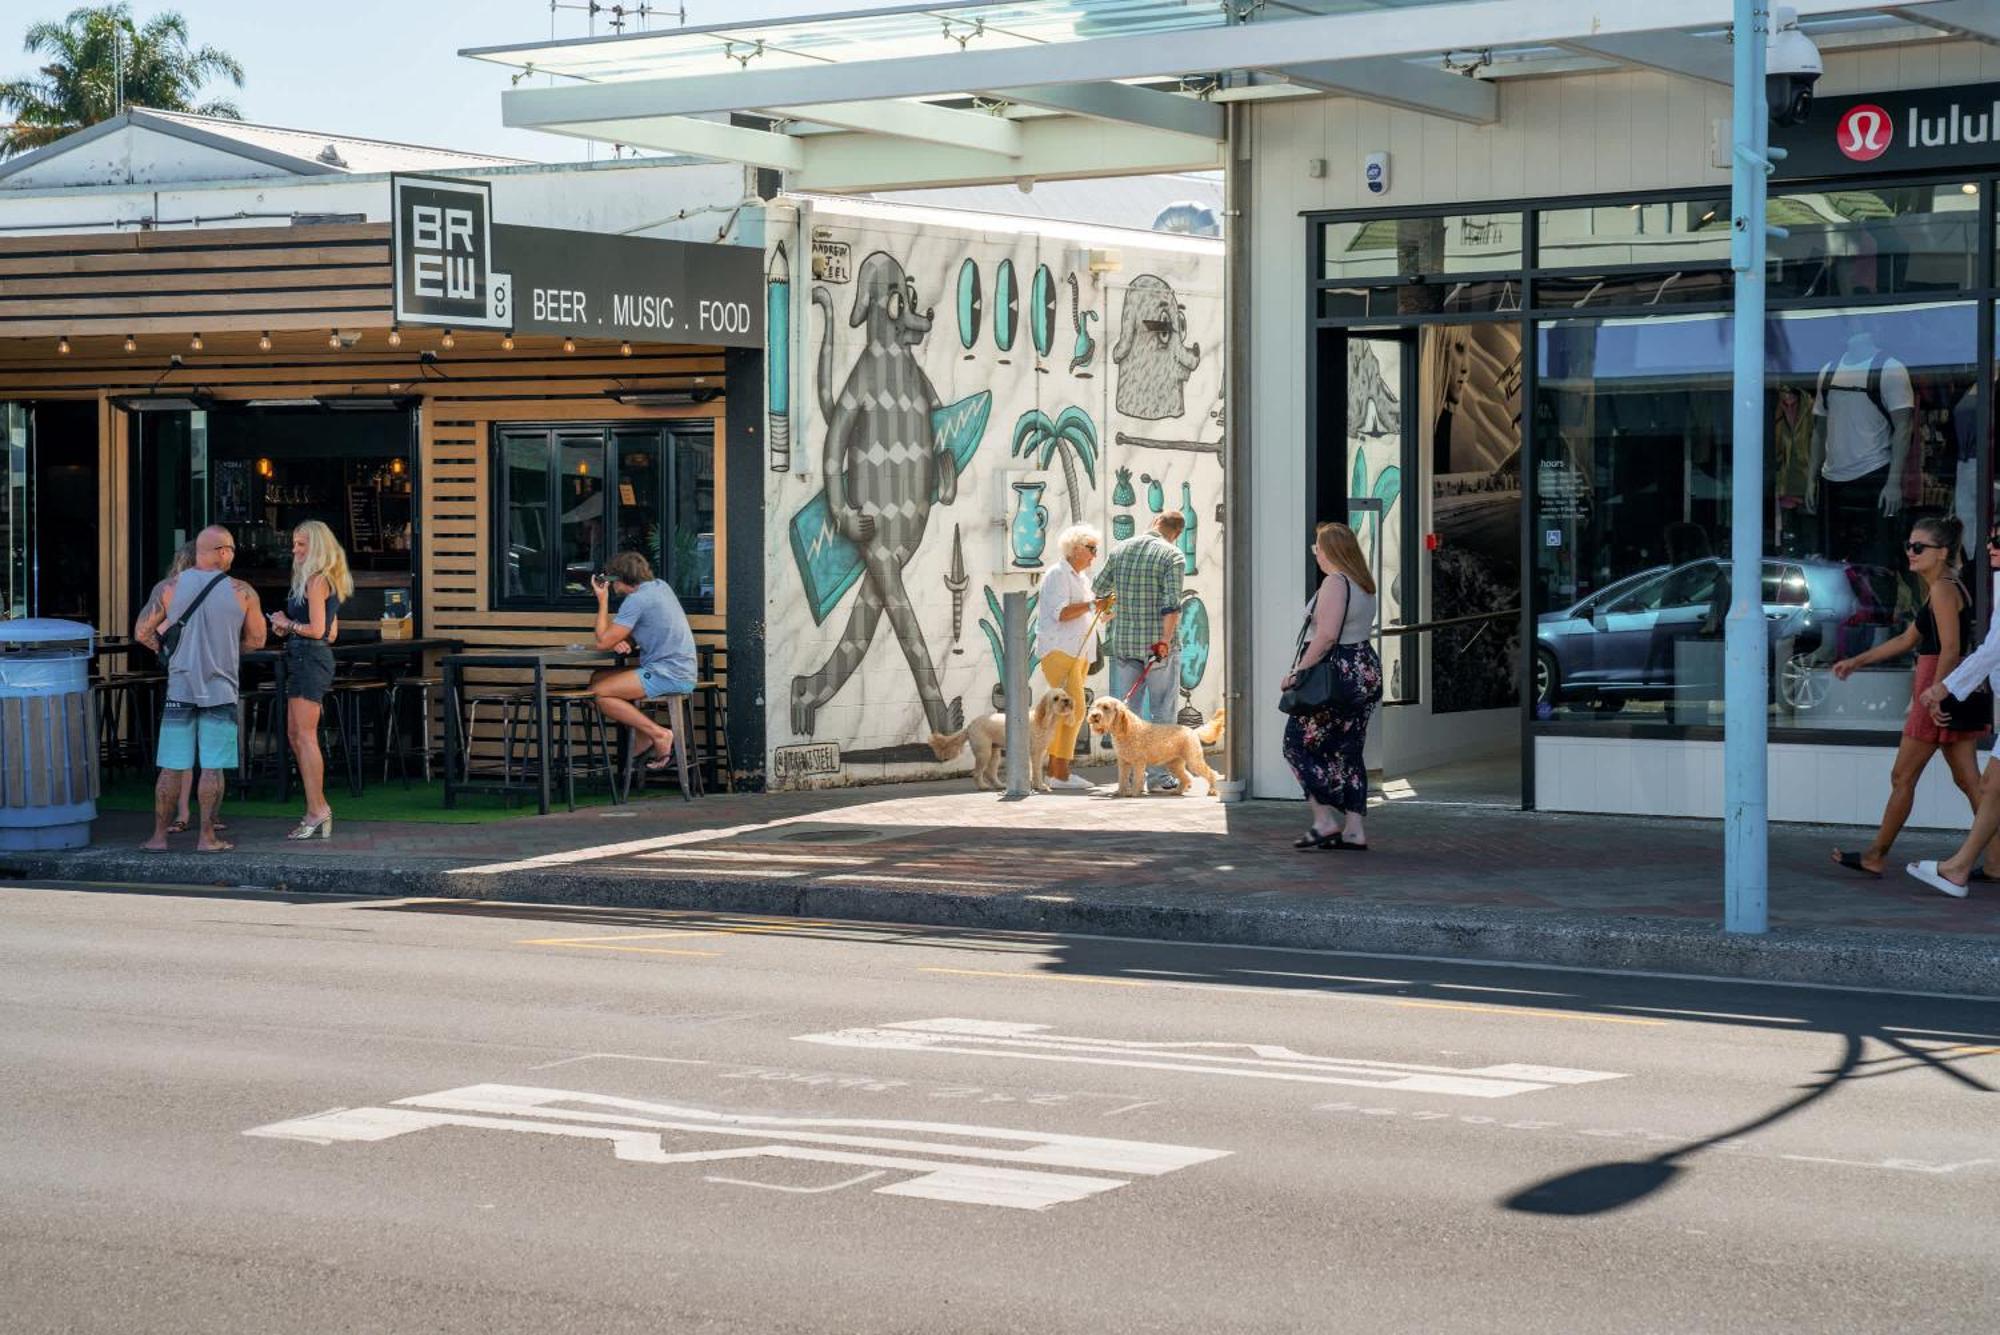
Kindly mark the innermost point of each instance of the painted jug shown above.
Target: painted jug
(1029, 533)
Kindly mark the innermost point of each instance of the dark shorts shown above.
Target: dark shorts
(308, 670)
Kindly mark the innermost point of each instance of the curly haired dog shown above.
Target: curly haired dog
(988, 735)
(1139, 744)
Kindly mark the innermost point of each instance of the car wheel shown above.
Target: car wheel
(1802, 684)
(1548, 679)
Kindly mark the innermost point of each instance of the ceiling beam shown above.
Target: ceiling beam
(1172, 112)
(1398, 83)
(684, 134)
(1264, 44)
(1667, 52)
(1974, 18)
(1056, 148)
(916, 120)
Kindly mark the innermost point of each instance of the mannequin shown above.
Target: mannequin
(1859, 446)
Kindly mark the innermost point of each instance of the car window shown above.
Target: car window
(1645, 598)
(1690, 585)
(1784, 585)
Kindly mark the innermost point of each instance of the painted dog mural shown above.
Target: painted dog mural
(898, 425)
(883, 470)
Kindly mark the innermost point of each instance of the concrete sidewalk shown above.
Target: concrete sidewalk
(1462, 881)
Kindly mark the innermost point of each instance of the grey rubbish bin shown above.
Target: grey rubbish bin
(48, 735)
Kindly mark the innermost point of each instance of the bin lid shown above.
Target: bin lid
(44, 630)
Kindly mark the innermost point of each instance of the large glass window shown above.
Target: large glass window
(1422, 247)
(571, 497)
(1870, 419)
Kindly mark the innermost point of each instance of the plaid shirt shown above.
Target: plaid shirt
(1145, 572)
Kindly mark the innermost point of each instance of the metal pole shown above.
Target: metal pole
(1745, 784)
(1014, 641)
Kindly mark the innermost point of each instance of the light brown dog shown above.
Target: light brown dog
(988, 736)
(1139, 744)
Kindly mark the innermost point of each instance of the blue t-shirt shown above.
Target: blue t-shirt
(660, 630)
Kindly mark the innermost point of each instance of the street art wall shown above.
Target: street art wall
(954, 393)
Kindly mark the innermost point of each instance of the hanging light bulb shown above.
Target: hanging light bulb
(624, 349)
(333, 339)
(569, 345)
(62, 345)
(131, 344)
(395, 336)
(194, 344)
(508, 341)
(264, 342)
(448, 341)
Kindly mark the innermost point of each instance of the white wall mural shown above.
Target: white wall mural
(960, 396)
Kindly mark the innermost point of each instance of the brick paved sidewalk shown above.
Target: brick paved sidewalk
(1166, 853)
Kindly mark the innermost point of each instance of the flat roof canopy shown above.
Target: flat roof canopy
(905, 95)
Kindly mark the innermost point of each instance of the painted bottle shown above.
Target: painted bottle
(1187, 527)
(1156, 493)
(1029, 533)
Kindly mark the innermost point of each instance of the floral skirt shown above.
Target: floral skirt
(1323, 747)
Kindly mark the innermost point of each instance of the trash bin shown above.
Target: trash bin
(48, 735)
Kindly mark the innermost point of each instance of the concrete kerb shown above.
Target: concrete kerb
(1896, 961)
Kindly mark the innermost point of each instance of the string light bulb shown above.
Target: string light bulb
(624, 349)
(264, 342)
(448, 341)
(62, 345)
(194, 344)
(507, 341)
(131, 344)
(569, 345)
(395, 336)
(333, 339)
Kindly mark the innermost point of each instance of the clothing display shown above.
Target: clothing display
(1858, 396)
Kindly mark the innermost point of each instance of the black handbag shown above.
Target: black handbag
(170, 638)
(1972, 714)
(1320, 686)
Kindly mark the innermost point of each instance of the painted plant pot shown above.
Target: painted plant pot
(1122, 527)
(1029, 533)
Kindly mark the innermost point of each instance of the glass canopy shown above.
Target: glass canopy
(892, 32)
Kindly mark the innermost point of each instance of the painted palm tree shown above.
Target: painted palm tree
(86, 58)
(1070, 434)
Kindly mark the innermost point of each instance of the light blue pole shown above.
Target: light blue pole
(1745, 724)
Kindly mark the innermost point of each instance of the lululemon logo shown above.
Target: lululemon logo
(1864, 133)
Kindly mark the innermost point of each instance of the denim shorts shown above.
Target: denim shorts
(308, 670)
(658, 683)
(191, 736)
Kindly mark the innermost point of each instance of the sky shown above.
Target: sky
(385, 69)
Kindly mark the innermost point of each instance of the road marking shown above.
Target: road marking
(604, 943)
(1256, 1061)
(738, 855)
(616, 1056)
(1038, 977)
(1008, 1168)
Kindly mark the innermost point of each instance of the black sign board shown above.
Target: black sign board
(454, 266)
(1923, 129)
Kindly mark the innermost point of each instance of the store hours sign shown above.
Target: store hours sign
(457, 267)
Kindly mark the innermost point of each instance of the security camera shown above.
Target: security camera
(1791, 68)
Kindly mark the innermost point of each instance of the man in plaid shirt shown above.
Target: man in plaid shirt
(1145, 574)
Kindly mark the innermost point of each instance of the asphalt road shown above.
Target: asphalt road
(231, 1113)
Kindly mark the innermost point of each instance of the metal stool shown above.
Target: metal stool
(394, 744)
(128, 718)
(677, 717)
(564, 708)
(513, 702)
(343, 704)
(712, 757)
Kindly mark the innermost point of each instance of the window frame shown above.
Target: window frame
(674, 436)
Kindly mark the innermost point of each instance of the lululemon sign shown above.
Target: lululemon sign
(1864, 132)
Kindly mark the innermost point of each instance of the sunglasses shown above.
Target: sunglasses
(1993, 538)
(1919, 548)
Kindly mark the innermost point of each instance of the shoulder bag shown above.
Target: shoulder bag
(170, 638)
(1320, 686)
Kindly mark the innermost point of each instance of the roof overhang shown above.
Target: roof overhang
(1137, 89)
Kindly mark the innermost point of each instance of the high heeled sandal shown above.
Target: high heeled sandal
(322, 828)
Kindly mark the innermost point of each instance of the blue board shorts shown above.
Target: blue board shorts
(658, 683)
(193, 735)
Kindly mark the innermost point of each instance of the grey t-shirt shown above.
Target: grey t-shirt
(204, 669)
(660, 630)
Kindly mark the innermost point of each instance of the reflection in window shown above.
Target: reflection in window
(1422, 247)
(1871, 423)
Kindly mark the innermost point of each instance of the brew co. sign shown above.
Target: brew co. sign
(443, 247)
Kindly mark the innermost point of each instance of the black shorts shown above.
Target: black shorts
(308, 670)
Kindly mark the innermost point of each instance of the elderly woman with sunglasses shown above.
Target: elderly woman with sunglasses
(1939, 634)
(1065, 611)
(1978, 673)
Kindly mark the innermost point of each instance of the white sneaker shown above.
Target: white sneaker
(1074, 783)
(1166, 783)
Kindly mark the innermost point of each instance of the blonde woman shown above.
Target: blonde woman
(310, 623)
(1323, 746)
(1065, 611)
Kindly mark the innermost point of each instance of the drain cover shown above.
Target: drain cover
(837, 834)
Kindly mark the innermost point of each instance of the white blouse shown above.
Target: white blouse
(1063, 585)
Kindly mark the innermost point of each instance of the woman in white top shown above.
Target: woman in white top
(1323, 746)
(1065, 613)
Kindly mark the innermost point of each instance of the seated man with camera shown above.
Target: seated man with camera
(651, 624)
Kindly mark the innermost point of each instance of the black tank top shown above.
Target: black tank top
(300, 610)
(1927, 631)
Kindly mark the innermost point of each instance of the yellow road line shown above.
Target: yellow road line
(1038, 977)
(605, 943)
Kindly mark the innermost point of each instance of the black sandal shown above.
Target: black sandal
(1852, 861)
(1314, 839)
(1340, 845)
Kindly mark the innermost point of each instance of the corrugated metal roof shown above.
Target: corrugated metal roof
(348, 153)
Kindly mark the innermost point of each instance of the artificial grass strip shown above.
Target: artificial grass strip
(421, 803)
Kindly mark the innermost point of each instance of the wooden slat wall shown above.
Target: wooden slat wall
(206, 279)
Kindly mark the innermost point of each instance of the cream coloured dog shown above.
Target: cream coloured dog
(1139, 744)
(988, 736)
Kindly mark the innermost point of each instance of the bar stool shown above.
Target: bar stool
(395, 744)
(712, 757)
(128, 707)
(513, 703)
(565, 709)
(675, 708)
(344, 703)
(259, 714)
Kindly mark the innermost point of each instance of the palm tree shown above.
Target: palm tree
(80, 85)
(1072, 436)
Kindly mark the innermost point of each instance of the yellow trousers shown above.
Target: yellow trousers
(1066, 672)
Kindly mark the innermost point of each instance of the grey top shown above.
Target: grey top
(1359, 622)
(205, 667)
(660, 630)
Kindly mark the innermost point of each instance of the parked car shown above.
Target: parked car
(1618, 644)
